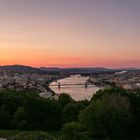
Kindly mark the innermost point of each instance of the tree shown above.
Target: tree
(71, 111)
(108, 116)
(135, 105)
(64, 99)
(19, 121)
(5, 118)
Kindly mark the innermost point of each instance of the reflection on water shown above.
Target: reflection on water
(74, 86)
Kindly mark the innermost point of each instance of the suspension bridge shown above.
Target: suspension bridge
(59, 85)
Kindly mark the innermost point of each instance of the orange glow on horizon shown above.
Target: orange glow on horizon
(86, 34)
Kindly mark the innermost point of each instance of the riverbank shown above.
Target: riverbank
(98, 84)
(50, 93)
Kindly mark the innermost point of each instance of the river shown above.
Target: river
(75, 87)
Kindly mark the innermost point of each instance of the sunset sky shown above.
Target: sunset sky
(70, 33)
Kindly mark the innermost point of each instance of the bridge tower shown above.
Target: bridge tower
(4, 74)
(59, 85)
(86, 84)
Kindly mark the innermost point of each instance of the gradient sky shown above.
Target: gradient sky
(70, 33)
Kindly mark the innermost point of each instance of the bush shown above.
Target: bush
(73, 131)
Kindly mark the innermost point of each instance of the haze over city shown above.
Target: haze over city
(70, 33)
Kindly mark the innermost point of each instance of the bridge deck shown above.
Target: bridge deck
(71, 84)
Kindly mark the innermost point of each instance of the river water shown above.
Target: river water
(75, 87)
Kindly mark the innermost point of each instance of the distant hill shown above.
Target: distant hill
(87, 70)
(73, 70)
(78, 70)
(129, 69)
(51, 69)
(28, 69)
(19, 68)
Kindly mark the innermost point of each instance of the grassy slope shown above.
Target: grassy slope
(10, 133)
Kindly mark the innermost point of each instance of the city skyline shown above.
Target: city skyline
(70, 33)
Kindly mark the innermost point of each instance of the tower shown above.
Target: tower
(59, 85)
(4, 74)
(86, 84)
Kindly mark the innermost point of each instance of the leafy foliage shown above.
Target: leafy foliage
(108, 116)
(111, 114)
(73, 131)
(28, 111)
